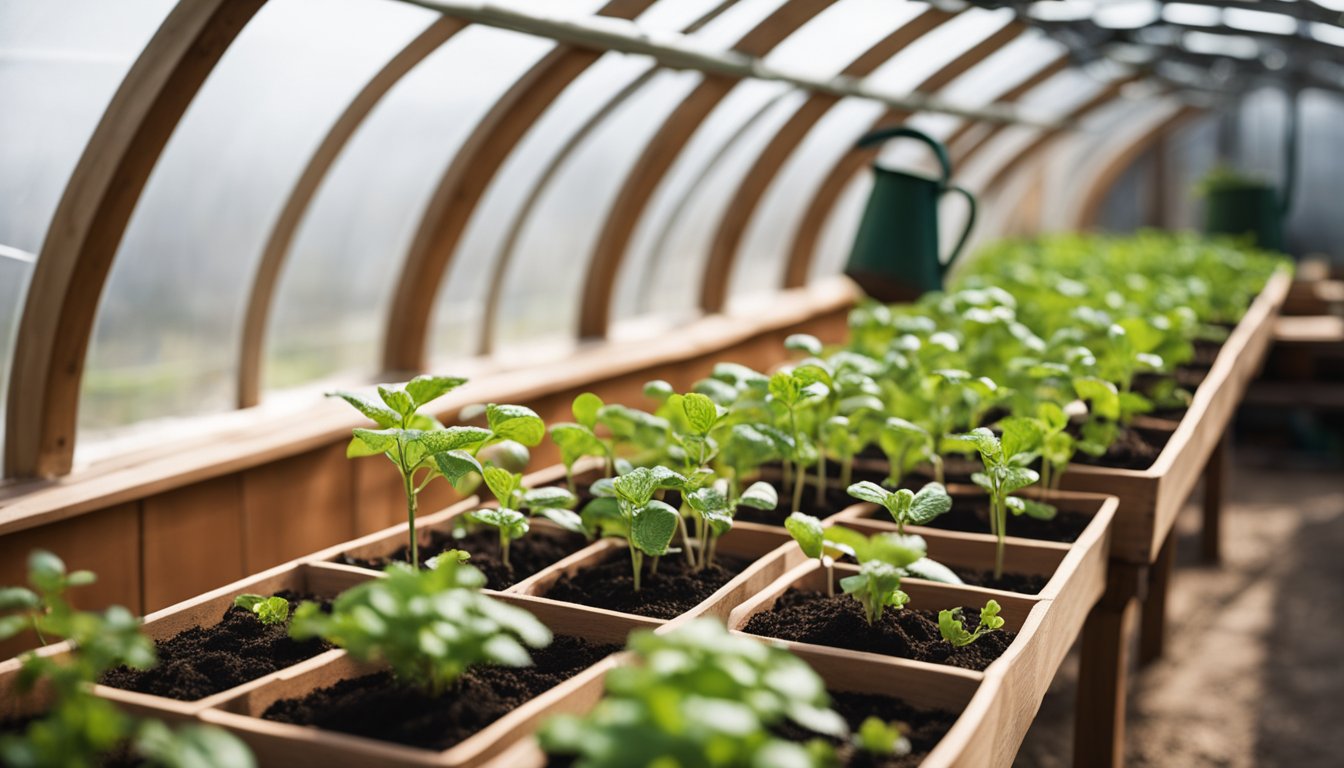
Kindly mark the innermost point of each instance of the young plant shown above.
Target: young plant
(579, 438)
(1005, 472)
(268, 610)
(906, 506)
(416, 443)
(877, 586)
(554, 504)
(793, 391)
(954, 632)
(1057, 445)
(905, 443)
(625, 508)
(699, 696)
(715, 510)
(79, 728)
(429, 626)
(810, 535)
(880, 739)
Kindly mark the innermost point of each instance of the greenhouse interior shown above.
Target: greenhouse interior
(671, 383)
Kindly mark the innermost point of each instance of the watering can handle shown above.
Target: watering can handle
(965, 233)
(882, 134)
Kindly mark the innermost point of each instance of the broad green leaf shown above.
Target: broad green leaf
(785, 388)
(511, 523)
(396, 398)
(986, 443)
(848, 541)
(636, 487)
(515, 422)
(1016, 478)
(653, 528)
(427, 388)
(718, 391)
(377, 440)
(893, 549)
(701, 412)
(81, 578)
(565, 518)
(932, 570)
(551, 497)
(869, 491)
(451, 439)
(931, 501)
(502, 484)
(575, 441)
(1101, 396)
(509, 454)
(803, 342)
(759, 495)
(603, 516)
(1020, 436)
(1053, 415)
(807, 531)
(585, 409)
(455, 465)
(18, 598)
(358, 449)
(380, 414)
(13, 625)
(708, 500)
(658, 390)
(666, 478)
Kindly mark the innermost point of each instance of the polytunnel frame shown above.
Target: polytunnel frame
(106, 184)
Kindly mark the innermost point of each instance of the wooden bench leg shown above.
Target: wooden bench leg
(1210, 544)
(1099, 720)
(1153, 623)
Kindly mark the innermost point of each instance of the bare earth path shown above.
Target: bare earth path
(1254, 666)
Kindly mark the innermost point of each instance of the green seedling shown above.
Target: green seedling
(906, 444)
(579, 438)
(1005, 473)
(699, 696)
(714, 512)
(268, 610)
(881, 739)
(906, 506)
(429, 626)
(421, 448)
(79, 728)
(625, 507)
(554, 504)
(810, 535)
(954, 632)
(793, 391)
(877, 586)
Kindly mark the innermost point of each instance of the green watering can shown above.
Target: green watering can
(895, 254)
(1255, 208)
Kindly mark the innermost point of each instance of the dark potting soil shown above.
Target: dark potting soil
(1022, 583)
(838, 621)
(1132, 449)
(970, 514)
(538, 549)
(203, 661)
(1206, 352)
(674, 589)
(377, 706)
(924, 728)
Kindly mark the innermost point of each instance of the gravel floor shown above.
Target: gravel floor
(1254, 667)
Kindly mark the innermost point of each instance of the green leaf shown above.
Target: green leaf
(1021, 436)
(708, 500)
(1102, 396)
(986, 443)
(807, 531)
(931, 501)
(18, 598)
(869, 491)
(932, 570)
(396, 398)
(658, 390)
(575, 441)
(1016, 478)
(376, 441)
(515, 422)
(701, 412)
(425, 389)
(565, 518)
(760, 495)
(989, 615)
(603, 515)
(585, 409)
(551, 497)
(502, 484)
(81, 578)
(636, 487)
(1053, 415)
(654, 526)
(511, 523)
(380, 414)
(358, 449)
(803, 342)
(455, 465)
(450, 439)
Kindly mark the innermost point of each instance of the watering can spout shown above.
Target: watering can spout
(896, 250)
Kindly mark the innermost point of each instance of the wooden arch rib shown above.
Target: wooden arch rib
(659, 155)
(89, 223)
(819, 208)
(733, 222)
(287, 223)
(1102, 182)
(463, 185)
(962, 155)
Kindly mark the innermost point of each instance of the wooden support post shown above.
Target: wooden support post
(1103, 670)
(1210, 542)
(1153, 624)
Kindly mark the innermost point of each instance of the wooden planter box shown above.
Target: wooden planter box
(762, 545)
(974, 741)
(283, 744)
(1150, 498)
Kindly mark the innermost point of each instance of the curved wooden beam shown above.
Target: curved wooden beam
(661, 152)
(464, 183)
(751, 190)
(833, 185)
(89, 222)
(513, 231)
(961, 155)
(1105, 179)
(296, 205)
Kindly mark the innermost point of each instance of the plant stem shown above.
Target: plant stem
(637, 563)
(504, 547)
(821, 479)
(847, 471)
(829, 565)
(685, 537)
(798, 479)
(709, 558)
(938, 469)
(1000, 515)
